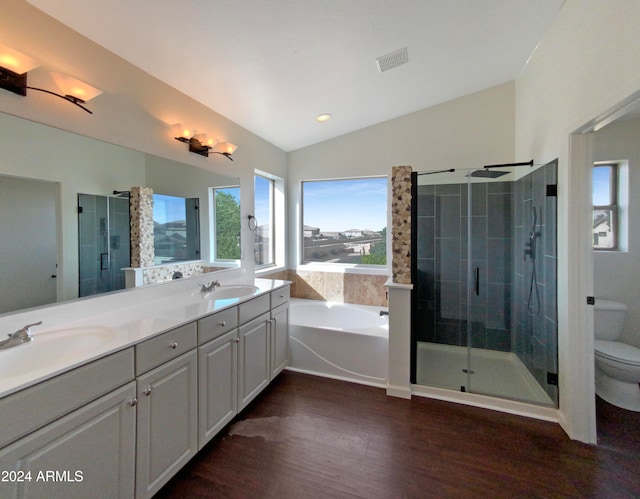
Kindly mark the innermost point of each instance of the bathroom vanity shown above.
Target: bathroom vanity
(120, 420)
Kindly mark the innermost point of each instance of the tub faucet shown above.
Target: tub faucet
(206, 288)
(384, 312)
(19, 337)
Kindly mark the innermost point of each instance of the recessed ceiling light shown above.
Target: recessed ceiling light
(321, 118)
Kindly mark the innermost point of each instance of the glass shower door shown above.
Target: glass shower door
(483, 305)
(103, 243)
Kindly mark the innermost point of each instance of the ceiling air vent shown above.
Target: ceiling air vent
(392, 60)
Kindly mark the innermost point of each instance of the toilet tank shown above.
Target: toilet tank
(608, 319)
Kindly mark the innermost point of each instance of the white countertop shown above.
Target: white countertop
(103, 325)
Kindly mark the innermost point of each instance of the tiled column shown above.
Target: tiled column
(401, 224)
(142, 249)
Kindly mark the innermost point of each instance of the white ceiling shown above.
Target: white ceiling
(272, 66)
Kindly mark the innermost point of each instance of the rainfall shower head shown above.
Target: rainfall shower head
(488, 173)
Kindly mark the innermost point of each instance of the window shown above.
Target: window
(176, 229)
(226, 207)
(605, 206)
(264, 253)
(344, 221)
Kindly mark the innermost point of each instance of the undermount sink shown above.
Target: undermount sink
(52, 347)
(232, 291)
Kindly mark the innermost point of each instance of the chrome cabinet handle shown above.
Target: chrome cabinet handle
(147, 391)
(173, 345)
(222, 324)
(236, 340)
(133, 402)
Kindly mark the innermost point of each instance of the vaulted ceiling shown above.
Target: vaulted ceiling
(274, 66)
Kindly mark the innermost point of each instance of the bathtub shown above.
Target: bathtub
(339, 340)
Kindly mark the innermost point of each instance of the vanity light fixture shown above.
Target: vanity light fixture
(14, 67)
(199, 144)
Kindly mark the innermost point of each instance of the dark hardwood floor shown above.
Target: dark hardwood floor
(310, 437)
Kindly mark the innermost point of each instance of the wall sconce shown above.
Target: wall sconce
(199, 144)
(14, 67)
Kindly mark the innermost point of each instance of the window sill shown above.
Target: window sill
(343, 269)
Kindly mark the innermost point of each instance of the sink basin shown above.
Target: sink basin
(51, 348)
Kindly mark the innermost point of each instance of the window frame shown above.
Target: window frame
(271, 221)
(349, 267)
(225, 262)
(614, 207)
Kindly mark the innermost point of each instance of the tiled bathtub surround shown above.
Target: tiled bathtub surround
(165, 272)
(360, 289)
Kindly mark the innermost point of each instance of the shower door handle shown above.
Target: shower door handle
(476, 280)
(104, 261)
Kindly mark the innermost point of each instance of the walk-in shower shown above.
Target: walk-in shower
(484, 272)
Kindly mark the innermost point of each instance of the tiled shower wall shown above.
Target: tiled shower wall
(535, 319)
(441, 281)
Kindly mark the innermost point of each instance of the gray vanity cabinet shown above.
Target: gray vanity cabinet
(279, 339)
(87, 453)
(217, 384)
(253, 358)
(167, 419)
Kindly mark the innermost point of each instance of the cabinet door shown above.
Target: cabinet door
(90, 453)
(279, 339)
(217, 385)
(167, 422)
(254, 359)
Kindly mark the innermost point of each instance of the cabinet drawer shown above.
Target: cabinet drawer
(280, 296)
(216, 324)
(38, 405)
(158, 350)
(253, 308)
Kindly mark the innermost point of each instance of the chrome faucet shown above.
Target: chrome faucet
(206, 288)
(19, 337)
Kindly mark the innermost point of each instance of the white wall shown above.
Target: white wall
(585, 64)
(616, 274)
(471, 131)
(79, 164)
(135, 110)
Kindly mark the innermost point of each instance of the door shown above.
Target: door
(167, 422)
(91, 453)
(279, 339)
(28, 243)
(103, 243)
(217, 385)
(254, 359)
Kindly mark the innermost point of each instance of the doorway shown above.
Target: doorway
(28, 247)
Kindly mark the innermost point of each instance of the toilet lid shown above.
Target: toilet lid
(616, 350)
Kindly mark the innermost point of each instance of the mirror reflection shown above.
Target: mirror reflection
(64, 204)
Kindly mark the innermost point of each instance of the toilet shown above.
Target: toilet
(617, 364)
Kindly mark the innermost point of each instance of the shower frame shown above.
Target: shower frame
(526, 348)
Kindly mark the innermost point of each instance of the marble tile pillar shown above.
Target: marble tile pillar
(401, 224)
(141, 205)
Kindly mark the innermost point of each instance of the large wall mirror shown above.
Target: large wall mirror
(44, 170)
